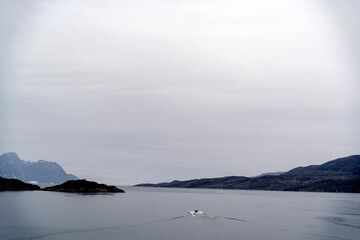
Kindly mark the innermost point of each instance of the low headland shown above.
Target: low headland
(71, 186)
(83, 186)
(16, 185)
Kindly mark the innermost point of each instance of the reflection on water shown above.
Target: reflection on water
(151, 213)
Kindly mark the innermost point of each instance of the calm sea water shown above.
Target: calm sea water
(161, 213)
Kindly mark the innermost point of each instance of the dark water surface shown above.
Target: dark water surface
(162, 213)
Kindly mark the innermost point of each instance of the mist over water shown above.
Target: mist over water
(152, 213)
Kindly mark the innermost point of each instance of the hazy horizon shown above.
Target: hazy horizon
(126, 92)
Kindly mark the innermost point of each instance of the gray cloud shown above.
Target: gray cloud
(133, 91)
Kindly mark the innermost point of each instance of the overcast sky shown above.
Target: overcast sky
(134, 91)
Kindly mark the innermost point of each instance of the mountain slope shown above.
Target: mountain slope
(222, 182)
(340, 175)
(11, 166)
(348, 166)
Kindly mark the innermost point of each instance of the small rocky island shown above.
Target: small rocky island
(72, 186)
(84, 186)
(16, 185)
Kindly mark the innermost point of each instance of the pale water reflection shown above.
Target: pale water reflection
(161, 213)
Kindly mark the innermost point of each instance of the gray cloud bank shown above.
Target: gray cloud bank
(133, 91)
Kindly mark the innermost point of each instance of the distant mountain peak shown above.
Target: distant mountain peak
(11, 166)
(12, 154)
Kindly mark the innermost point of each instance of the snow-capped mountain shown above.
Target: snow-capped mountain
(11, 166)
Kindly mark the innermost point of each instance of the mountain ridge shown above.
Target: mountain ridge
(12, 167)
(339, 175)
